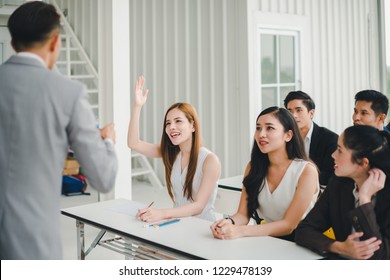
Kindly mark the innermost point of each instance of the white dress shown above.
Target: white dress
(274, 205)
(178, 179)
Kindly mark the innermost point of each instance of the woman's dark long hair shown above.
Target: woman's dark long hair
(259, 163)
(368, 142)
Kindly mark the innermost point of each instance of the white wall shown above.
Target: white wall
(195, 51)
(204, 52)
(344, 46)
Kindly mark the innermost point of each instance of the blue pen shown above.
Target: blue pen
(165, 223)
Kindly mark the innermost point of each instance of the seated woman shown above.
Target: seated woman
(356, 203)
(280, 185)
(191, 171)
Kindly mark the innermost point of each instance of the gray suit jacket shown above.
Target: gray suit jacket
(41, 114)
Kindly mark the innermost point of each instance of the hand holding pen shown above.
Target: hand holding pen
(149, 214)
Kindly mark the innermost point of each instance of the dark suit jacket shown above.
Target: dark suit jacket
(335, 208)
(323, 144)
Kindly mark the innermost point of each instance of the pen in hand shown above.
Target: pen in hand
(150, 205)
(141, 212)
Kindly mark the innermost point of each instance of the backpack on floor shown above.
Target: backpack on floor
(74, 185)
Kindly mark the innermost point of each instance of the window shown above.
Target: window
(280, 69)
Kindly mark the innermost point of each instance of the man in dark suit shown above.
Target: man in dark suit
(319, 141)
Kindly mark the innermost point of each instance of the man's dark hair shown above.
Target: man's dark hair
(31, 23)
(306, 99)
(379, 101)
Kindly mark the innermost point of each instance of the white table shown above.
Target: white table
(190, 238)
(231, 183)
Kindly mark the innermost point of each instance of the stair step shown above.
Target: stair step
(82, 77)
(71, 49)
(92, 91)
(74, 62)
(135, 154)
(139, 171)
(145, 169)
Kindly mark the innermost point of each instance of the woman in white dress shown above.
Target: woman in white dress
(191, 171)
(280, 185)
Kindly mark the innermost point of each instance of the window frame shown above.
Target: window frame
(296, 84)
(275, 21)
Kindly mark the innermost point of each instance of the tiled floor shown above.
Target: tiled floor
(142, 191)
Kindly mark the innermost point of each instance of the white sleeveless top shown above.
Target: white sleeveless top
(178, 179)
(274, 205)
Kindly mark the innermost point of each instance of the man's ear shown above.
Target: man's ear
(311, 113)
(382, 117)
(54, 42)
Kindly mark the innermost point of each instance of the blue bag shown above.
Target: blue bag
(74, 185)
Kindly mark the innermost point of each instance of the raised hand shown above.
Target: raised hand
(374, 183)
(140, 95)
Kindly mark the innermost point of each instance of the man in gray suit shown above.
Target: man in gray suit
(41, 114)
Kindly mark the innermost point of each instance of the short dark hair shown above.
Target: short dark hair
(31, 23)
(379, 101)
(306, 99)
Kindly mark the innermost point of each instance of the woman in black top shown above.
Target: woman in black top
(356, 203)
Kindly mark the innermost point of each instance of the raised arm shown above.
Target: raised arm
(133, 139)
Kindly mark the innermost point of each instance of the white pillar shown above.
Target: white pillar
(114, 72)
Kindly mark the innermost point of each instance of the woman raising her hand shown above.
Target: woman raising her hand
(191, 170)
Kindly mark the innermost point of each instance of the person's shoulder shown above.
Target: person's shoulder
(210, 157)
(65, 81)
(335, 182)
(65, 87)
(206, 151)
(308, 166)
(325, 135)
(325, 131)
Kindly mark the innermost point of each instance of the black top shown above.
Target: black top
(323, 143)
(336, 208)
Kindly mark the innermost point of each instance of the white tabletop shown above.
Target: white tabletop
(231, 183)
(191, 236)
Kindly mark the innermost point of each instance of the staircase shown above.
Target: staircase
(141, 166)
(74, 62)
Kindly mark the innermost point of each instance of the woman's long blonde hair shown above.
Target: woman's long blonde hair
(169, 151)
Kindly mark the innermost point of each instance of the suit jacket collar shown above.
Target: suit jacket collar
(15, 59)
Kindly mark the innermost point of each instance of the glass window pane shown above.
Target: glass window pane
(286, 60)
(268, 59)
(268, 97)
(283, 93)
